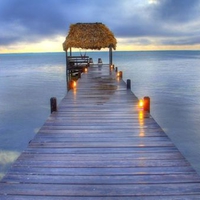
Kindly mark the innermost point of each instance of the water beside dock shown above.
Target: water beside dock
(99, 144)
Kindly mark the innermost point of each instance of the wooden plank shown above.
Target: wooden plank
(133, 190)
(106, 164)
(166, 197)
(99, 139)
(99, 144)
(97, 127)
(103, 180)
(111, 156)
(164, 170)
(104, 150)
(104, 131)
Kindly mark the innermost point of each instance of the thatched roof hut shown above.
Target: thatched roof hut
(89, 36)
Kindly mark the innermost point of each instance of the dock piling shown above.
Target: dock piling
(79, 74)
(53, 104)
(128, 84)
(100, 61)
(147, 104)
(90, 60)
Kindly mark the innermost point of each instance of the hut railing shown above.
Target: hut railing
(78, 61)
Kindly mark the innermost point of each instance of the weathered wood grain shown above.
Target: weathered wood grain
(103, 180)
(79, 190)
(162, 170)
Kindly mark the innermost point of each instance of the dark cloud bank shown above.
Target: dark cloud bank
(173, 21)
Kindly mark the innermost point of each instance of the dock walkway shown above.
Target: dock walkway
(99, 145)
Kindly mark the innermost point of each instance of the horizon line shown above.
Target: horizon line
(93, 51)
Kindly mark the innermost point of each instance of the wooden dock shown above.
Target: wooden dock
(100, 145)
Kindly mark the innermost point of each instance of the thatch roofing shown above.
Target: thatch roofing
(89, 36)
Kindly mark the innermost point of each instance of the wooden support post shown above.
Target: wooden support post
(70, 51)
(116, 69)
(67, 79)
(128, 85)
(147, 104)
(100, 61)
(53, 104)
(79, 74)
(110, 56)
(91, 61)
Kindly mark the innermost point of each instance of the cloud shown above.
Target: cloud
(177, 11)
(163, 18)
(176, 21)
(23, 20)
(33, 21)
(182, 41)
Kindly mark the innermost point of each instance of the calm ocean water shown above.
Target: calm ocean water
(170, 78)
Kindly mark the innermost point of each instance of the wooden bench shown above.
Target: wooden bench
(77, 62)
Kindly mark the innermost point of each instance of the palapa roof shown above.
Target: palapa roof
(89, 36)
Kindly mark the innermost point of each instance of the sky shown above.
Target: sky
(42, 25)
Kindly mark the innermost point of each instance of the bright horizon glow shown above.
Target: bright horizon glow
(122, 45)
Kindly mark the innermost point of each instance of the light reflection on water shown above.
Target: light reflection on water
(6, 159)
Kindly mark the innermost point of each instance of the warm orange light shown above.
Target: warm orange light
(141, 123)
(142, 133)
(119, 74)
(141, 115)
(74, 84)
(86, 69)
(141, 103)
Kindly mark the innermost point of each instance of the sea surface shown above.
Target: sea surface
(170, 78)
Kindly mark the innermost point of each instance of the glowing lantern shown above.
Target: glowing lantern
(74, 84)
(111, 66)
(141, 103)
(119, 74)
